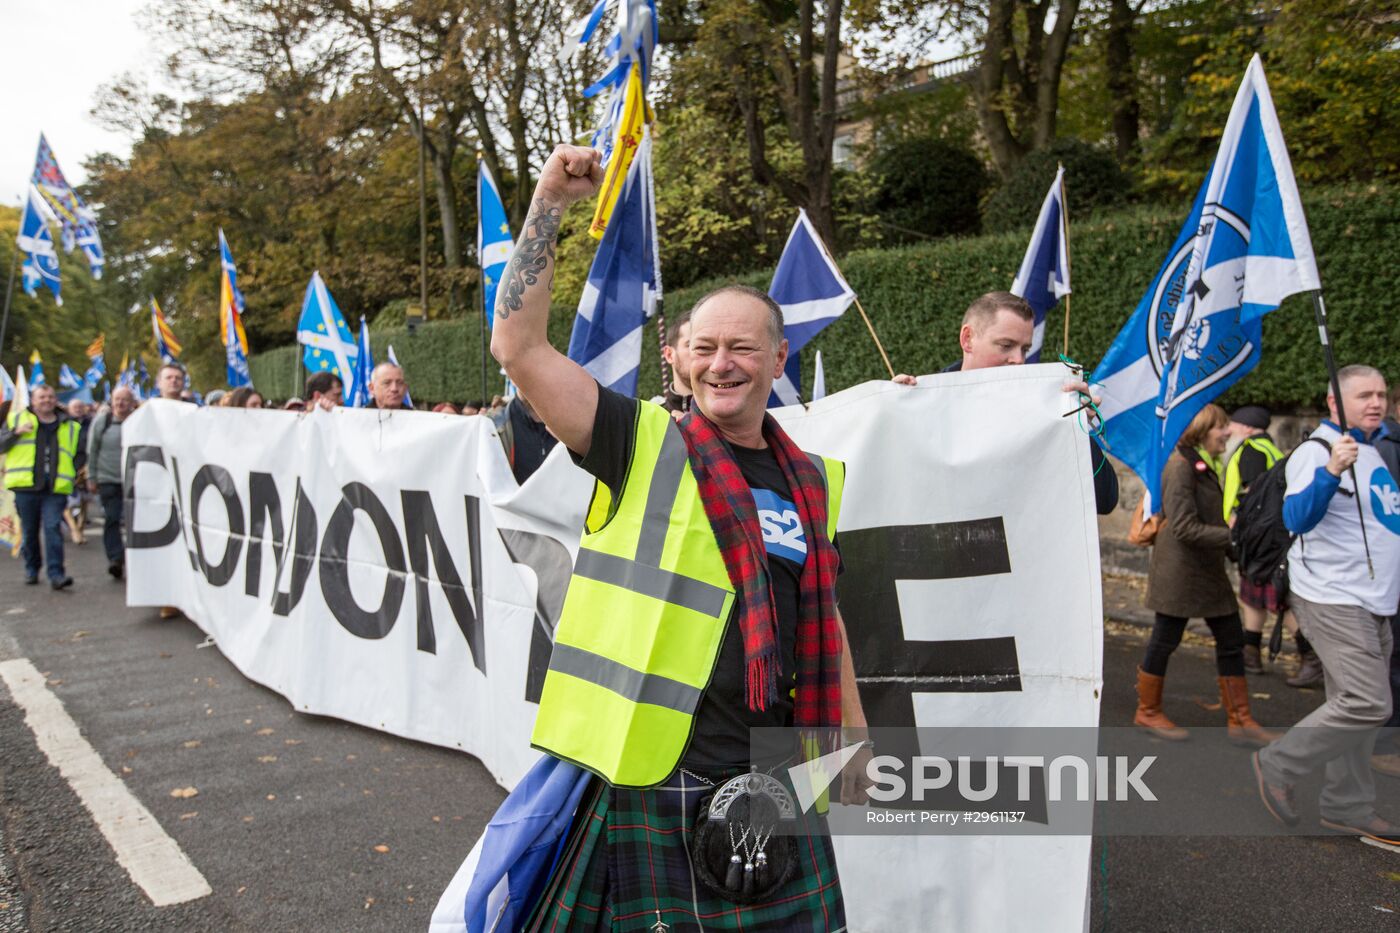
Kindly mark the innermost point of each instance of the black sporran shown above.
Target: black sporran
(735, 851)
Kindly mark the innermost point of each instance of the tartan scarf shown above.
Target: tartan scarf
(729, 506)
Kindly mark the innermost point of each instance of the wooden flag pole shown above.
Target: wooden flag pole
(1320, 312)
(1064, 232)
(871, 327)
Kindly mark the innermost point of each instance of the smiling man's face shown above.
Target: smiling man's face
(734, 359)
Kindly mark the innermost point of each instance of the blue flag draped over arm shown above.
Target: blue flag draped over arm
(1044, 275)
(623, 286)
(1243, 249)
(330, 347)
(493, 240)
(812, 293)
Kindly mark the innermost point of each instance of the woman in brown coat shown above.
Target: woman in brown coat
(1187, 580)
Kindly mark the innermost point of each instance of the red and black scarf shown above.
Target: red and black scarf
(729, 505)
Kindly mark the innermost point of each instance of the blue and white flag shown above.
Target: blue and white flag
(36, 242)
(812, 293)
(493, 241)
(510, 865)
(1044, 275)
(1196, 332)
(322, 330)
(36, 369)
(79, 223)
(818, 379)
(67, 379)
(95, 371)
(357, 395)
(7, 386)
(389, 352)
(623, 287)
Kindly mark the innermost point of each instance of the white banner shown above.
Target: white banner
(422, 586)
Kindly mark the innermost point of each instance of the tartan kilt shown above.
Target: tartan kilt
(1259, 595)
(628, 857)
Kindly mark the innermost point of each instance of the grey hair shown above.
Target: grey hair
(1356, 371)
(775, 311)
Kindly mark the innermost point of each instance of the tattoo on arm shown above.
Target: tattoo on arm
(533, 257)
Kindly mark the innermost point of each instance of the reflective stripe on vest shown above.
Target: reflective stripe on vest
(20, 458)
(1271, 454)
(643, 618)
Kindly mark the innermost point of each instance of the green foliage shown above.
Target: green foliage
(1092, 180)
(927, 187)
(916, 296)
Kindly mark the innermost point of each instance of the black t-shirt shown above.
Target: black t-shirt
(45, 455)
(531, 439)
(721, 737)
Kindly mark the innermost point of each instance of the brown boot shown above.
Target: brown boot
(1149, 713)
(1253, 663)
(1243, 730)
(1309, 672)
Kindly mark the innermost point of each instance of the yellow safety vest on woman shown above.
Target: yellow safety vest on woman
(19, 460)
(644, 616)
(1271, 454)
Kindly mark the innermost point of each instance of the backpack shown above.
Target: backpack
(1260, 538)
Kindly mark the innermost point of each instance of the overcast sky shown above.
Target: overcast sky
(54, 57)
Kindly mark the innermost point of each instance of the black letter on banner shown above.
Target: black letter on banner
(424, 537)
(335, 564)
(552, 566)
(167, 533)
(264, 504)
(891, 669)
(875, 559)
(216, 476)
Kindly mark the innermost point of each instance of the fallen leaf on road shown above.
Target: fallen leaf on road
(265, 731)
(369, 902)
(247, 819)
(437, 819)
(291, 742)
(80, 634)
(189, 816)
(271, 796)
(184, 793)
(381, 848)
(193, 743)
(241, 889)
(267, 759)
(126, 769)
(165, 655)
(55, 682)
(1260, 696)
(1391, 875)
(349, 757)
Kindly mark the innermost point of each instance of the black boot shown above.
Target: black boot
(1253, 663)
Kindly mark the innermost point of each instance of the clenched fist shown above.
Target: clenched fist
(571, 174)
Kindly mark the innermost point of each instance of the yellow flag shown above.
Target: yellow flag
(635, 113)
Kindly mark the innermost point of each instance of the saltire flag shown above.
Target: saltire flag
(818, 379)
(36, 242)
(357, 394)
(330, 347)
(511, 862)
(67, 379)
(493, 240)
(812, 293)
(36, 369)
(78, 221)
(1243, 249)
(97, 368)
(389, 352)
(231, 310)
(140, 374)
(166, 345)
(1044, 275)
(7, 386)
(623, 286)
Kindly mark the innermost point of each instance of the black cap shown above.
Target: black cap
(1256, 416)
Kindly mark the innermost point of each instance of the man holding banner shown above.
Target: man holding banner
(651, 685)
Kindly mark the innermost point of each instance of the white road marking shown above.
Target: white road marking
(153, 860)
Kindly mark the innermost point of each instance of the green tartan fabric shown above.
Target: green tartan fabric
(628, 866)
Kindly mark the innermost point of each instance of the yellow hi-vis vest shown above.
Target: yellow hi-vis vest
(19, 460)
(644, 616)
(1271, 454)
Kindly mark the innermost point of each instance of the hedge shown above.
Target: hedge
(916, 295)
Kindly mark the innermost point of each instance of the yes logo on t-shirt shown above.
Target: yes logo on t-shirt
(1385, 499)
(782, 529)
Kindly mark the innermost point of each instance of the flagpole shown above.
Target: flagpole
(9, 292)
(864, 317)
(1064, 234)
(1320, 312)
